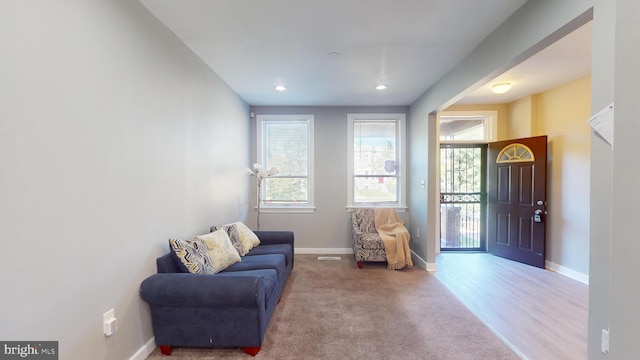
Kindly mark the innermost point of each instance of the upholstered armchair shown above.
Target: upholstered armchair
(367, 244)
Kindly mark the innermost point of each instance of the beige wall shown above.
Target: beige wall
(562, 113)
(562, 116)
(522, 117)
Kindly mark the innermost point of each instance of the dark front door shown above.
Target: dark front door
(517, 176)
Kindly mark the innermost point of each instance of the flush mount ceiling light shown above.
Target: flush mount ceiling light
(280, 88)
(501, 88)
(381, 87)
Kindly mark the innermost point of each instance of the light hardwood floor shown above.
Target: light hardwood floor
(539, 313)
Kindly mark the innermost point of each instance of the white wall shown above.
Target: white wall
(113, 138)
(329, 227)
(625, 247)
(600, 256)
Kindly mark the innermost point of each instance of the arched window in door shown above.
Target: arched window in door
(515, 153)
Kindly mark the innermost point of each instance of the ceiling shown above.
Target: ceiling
(565, 60)
(334, 52)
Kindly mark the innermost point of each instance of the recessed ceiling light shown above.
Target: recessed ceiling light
(280, 88)
(501, 88)
(381, 87)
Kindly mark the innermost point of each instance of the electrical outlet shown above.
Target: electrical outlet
(604, 347)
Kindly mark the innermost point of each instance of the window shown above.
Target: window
(515, 153)
(468, 126)
(375, 158)
(286, 143)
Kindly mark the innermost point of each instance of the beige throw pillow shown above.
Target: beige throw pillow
(219, 249)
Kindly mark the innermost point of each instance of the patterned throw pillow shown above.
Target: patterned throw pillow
(247, 238)
(220, 250)
(232, 231)
(193, 254)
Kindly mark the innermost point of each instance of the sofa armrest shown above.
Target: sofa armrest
(275, 237)
(194, 290)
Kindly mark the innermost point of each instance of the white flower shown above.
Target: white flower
(261, 173)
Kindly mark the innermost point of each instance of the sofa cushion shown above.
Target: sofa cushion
(284, 249)
(247, 238)
(220, 250)
(193, 255)
(257, 262)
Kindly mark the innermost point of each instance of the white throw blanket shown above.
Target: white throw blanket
(395, 237)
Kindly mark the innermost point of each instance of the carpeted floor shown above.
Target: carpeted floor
(333, 310)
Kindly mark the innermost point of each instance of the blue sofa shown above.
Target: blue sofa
(229, 309)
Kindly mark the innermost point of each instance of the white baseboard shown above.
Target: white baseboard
(323, 250)
(432, 267)
(570, 273)
(145, 351)
(421, 263)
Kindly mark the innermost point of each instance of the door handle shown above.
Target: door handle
(537, 216)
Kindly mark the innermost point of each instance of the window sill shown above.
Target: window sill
(287, 209)
(397, 208)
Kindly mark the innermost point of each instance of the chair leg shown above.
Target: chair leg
(165, 349)
(252, 350)
(359, 264)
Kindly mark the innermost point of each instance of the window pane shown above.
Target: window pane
(285, 147)
(375, 189)
(462, 127)
(374, 145)
(460, 226)
(460, 170)
(285, 190)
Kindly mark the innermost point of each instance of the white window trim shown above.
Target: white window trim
(280, 208)
(402, 165)
(490, 132)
